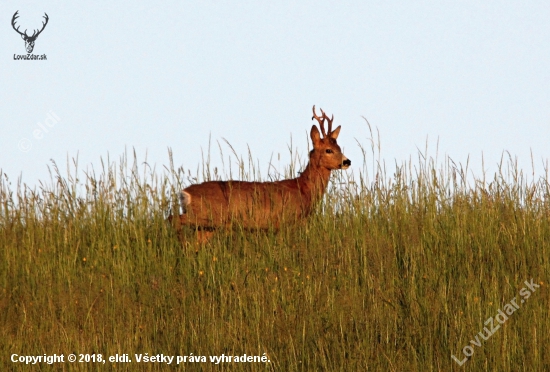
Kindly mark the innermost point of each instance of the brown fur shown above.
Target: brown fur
(262, 205)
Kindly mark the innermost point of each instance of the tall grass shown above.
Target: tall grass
(397, 271)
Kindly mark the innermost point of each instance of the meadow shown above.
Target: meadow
(417, 268)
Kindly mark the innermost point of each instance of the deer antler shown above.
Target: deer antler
(35, 34)
(329, 123)
(321, 120)
(15, 16)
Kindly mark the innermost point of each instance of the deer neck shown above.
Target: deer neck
(314, 180)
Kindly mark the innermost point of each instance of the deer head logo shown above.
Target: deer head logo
(29, 40)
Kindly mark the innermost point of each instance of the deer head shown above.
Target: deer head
(326, 153)
(29, 40)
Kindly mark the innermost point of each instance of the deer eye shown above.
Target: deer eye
(329, 151)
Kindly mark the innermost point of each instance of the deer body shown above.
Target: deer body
(263, 205)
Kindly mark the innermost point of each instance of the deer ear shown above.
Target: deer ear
(315, 135)
(23, 37)
(335, 132)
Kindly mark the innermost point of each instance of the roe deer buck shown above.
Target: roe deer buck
(260, 205)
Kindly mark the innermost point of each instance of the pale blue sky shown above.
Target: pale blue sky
(153, 75)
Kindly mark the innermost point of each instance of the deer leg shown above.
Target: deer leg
(204, 235)
(177, 223)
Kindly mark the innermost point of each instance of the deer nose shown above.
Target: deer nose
(347, 163)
